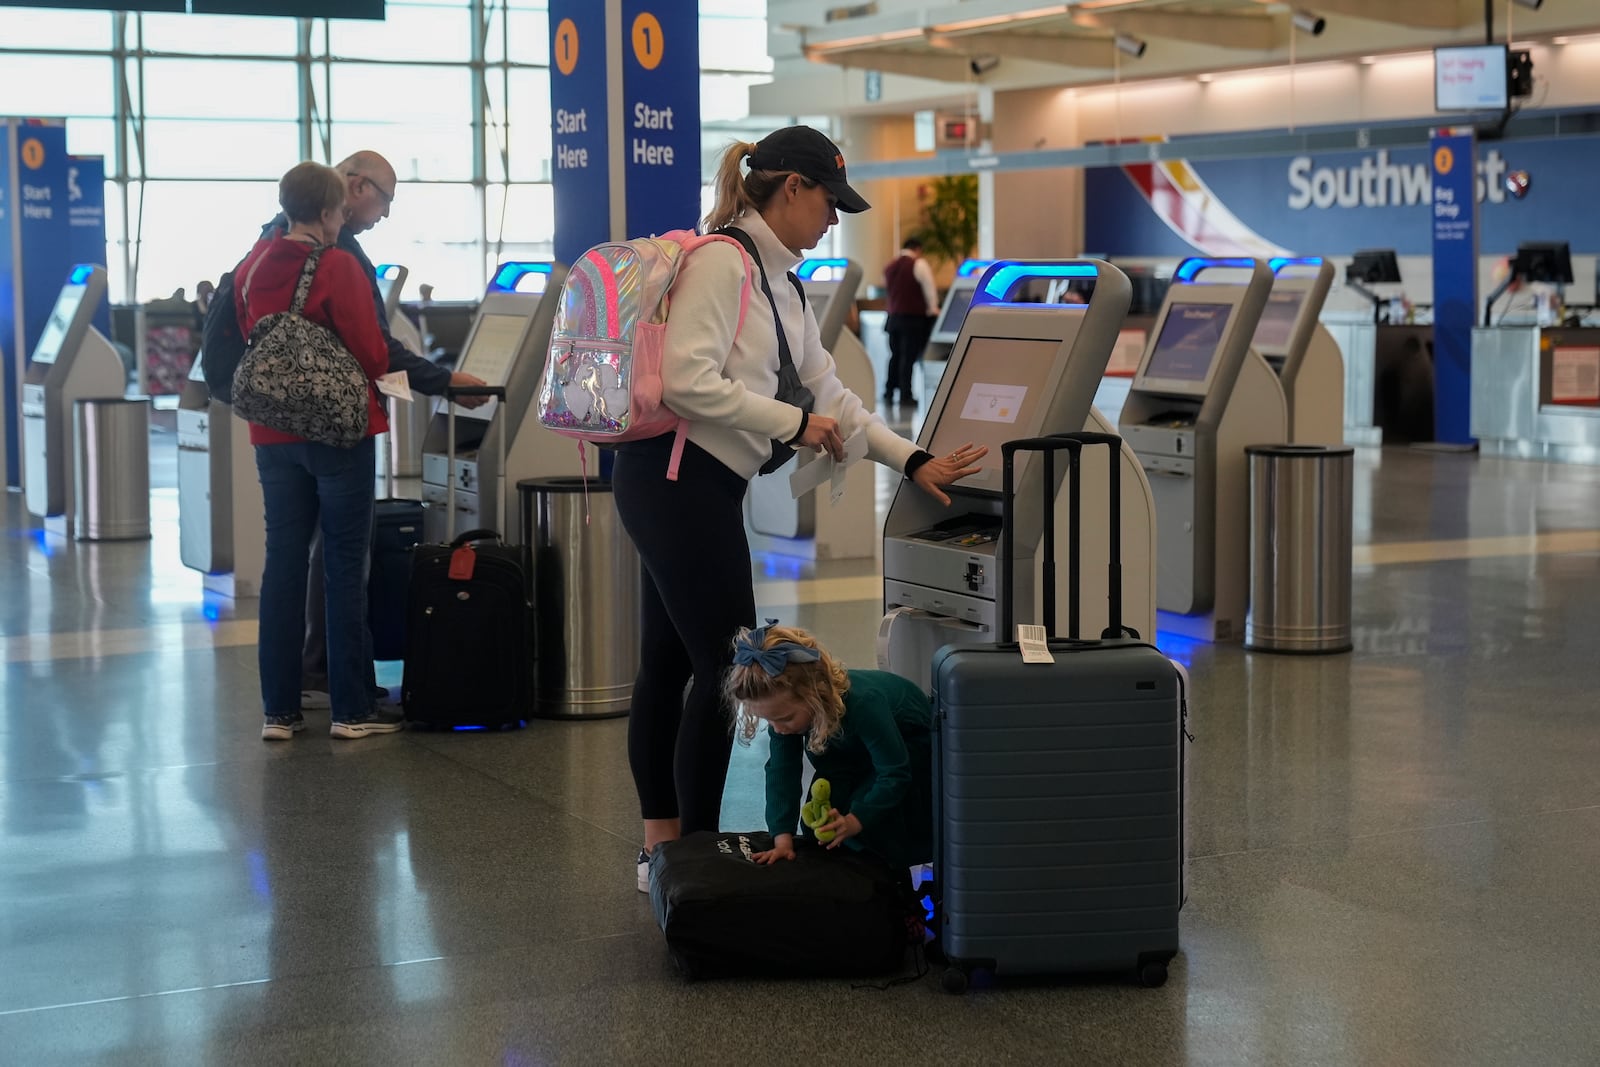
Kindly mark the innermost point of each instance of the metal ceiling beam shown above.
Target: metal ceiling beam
(943, 68)
(1067, 51)
(1248, 32)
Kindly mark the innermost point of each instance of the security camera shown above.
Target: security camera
(981, 65)
(1309, 22)
(1130, 45)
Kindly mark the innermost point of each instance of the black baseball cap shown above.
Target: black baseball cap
(811, 155)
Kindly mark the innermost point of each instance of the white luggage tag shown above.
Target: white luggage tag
(1034, 642)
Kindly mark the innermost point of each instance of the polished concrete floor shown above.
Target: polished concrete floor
(1393, 854)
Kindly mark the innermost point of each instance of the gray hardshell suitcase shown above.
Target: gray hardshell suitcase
(1059, 807)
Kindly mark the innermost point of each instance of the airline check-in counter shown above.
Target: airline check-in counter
(1536, 385)
(1019, 368)
(72, 361)
(507, 347)
(780, 522)
(1294, 342)
(1200, 396)
(221, 532)
(1388, 362)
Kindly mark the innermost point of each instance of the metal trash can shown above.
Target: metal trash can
(585, 598)
(111, 473)
(1301, 515)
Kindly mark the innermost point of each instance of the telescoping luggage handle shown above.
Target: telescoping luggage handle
(1072, 444)
(451, 394)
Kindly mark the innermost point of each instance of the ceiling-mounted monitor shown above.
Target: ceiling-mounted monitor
(1471, 78)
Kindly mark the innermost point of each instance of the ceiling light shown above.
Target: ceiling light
(1311, 23)
(1130, 45)
(1367, 61)
(1205, 79)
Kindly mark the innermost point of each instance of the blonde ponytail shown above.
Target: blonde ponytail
(737, 192)
(732, 200)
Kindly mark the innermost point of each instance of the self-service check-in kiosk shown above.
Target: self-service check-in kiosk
(71, 362)
(780, 523)
(1018, 369)
(220, 529)
(1302, 351)
(507, 346)
(408, 423)
(1200, 396)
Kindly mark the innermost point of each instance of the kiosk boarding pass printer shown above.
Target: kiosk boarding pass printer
(220, 529)
(1294, 342)
(782, 523)
(506, 347)
(1200, 396)
(1017, 370)
(71, 362)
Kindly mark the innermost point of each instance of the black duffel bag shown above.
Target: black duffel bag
(820, 915)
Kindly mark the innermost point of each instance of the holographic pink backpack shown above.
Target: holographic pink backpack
(602, 378)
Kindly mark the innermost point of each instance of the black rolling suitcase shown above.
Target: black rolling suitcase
(1059, 803)
(468, 660)
(396, 531)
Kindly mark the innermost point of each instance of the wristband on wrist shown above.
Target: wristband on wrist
(918, 458)
(805, 418)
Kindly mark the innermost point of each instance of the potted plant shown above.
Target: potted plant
(950, 218)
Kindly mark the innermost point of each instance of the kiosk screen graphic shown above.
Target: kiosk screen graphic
(1277, 322)
(1188, 342)
(996, 396)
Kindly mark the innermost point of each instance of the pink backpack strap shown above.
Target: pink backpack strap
(679, 439)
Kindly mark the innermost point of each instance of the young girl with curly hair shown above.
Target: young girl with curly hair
(866, 732)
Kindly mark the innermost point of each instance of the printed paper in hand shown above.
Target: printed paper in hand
(395, 384)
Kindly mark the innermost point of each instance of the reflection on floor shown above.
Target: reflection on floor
(1392, 853)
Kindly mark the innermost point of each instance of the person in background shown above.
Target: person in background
(697, 589)
(307, 486)
(913, 305)
(370, 190)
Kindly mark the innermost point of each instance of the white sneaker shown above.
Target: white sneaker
(644, 871)
(315, 700)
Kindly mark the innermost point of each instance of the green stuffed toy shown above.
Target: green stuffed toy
(814, 813)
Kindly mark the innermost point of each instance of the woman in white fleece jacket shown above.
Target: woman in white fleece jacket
(698, 590)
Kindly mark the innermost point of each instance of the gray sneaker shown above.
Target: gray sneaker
(281, 727)
(382, 719)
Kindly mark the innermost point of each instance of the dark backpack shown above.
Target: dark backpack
(221, 341)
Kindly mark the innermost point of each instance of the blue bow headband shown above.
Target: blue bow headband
(750, 649)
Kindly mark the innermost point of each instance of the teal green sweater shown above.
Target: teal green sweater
(879, 765)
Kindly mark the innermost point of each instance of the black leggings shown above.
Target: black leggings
(697, 594)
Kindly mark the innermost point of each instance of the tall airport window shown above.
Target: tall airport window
(195, 229)
(438, 30)
(419, 117)
(733, 42)
(218, 88)
(216, 148)
(76, 30)
(524, 125)
(220, 35)
(519, 32)
(437, 231)
(55, 86)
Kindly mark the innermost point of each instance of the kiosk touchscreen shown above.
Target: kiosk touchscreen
(506, 347)
(1297, 346)
(847, 528)
(1200, 395)
(72, 361)
(1017, 370)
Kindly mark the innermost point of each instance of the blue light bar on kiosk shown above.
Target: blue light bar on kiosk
(81, 274)
(1189, 268)
(1278, 263)
(521, 277)
(1003, 275)
(388, 271)
(973, 266)
(821, 270)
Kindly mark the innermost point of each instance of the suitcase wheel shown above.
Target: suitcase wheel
(954, 981)
(1153, 975)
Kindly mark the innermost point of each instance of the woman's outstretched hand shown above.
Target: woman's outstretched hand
(943, 470)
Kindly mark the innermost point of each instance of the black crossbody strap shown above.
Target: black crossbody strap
(785, 359)
(302, 289)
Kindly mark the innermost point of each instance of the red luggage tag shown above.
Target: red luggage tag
(463, 561)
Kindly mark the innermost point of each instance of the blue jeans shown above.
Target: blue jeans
(303, 483)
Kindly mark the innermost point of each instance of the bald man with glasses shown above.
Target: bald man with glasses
(370, 186)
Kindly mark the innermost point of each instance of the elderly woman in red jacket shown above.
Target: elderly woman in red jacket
(304, 483)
